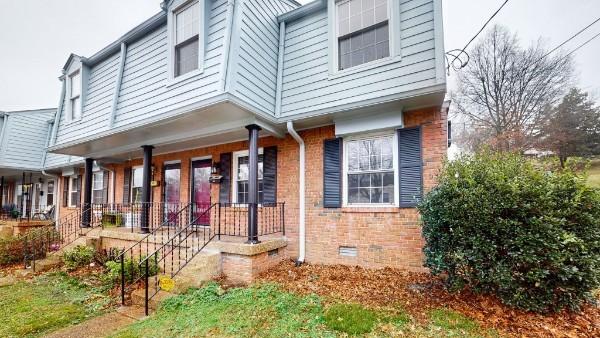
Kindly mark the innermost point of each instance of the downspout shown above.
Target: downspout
(280, 69)
(115, 101)
(302, 188)
(5, 122)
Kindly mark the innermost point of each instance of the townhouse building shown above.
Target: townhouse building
(319, 124)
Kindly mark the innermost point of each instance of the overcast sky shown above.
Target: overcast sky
(36, 36)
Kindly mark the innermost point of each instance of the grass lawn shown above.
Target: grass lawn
(46, 303)
(594, 174)
(266, 311)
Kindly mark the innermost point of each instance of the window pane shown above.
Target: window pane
(186, 56)
(138, 177)
(75, 108)
(75, 85)
(364, 195)
(381, 11)
(97, 183)
(376, 195)
(187, 23)
(353, 195)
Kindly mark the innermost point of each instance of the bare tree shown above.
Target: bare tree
(504, 91)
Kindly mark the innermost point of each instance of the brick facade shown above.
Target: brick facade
(382, 236)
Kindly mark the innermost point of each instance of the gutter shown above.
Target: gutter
(58, 111)
(229, 19)
(5, 117)
(301, 192)
(299, 12)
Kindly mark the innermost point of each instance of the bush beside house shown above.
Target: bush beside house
(501, 224)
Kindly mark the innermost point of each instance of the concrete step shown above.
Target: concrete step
(138, 298)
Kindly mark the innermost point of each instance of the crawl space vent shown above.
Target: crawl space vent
(349, 251)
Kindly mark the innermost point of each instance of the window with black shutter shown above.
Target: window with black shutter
(126, 185)
(332, 173)
(65, 195)
(410, 166)
(270, 175)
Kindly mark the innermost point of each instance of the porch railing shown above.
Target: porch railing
(131, 215)
(11, 212)
(234, 219)
(38, 243)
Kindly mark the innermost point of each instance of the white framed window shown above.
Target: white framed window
(362, 32)
(186, 39)
(137, 181)
(75, 96)
(370, 170)
(98, 187)
(241, 176)
(73, 191)
(50, 193)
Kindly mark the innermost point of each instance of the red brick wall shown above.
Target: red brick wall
(383, 236)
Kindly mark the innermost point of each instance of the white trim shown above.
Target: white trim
(177, 6)
(366, 136)
(200, 158)
(394, 41)
(440, 61)
(70, 203)
(234, 165)
(171, 162)
(69, 97)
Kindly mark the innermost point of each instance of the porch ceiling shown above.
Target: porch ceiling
(221, 123)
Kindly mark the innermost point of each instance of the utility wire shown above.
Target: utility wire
(580, 46)
(456, 54)
(571, 38)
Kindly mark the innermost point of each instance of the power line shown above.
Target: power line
(456, 54)
(571, 38)
(580, 46)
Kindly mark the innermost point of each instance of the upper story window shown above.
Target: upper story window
(187, 31)
(362, 31)
(186, 38)
(75, 95)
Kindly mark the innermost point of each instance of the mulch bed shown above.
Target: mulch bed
(418, 293)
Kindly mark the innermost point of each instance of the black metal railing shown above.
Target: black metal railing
(12, 212)
(131, 215)
(130, 257)
(38, 243)
(178, 251)
(234, 219)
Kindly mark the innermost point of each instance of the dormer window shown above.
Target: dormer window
(362, 31)
(186, 20)
(187, 29)
(75, 95)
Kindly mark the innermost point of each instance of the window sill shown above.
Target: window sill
(176, 80)
(364, 67)
(371, 209)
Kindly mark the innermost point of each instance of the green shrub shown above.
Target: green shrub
(79, 256)
(132, 268)
(11, 250)
(350, 318)
(501, 224)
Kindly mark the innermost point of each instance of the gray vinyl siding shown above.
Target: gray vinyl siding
(24, 142)
(308, 87)
(59, 160)
(144, 92)
(256, 67)
(97, 105)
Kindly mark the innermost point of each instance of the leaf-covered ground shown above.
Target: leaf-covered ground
(420, 296)
(32, 308)
(264, 310)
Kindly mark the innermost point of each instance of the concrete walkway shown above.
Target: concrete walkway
(101, 326)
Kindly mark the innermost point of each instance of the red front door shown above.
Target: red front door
(201, 191)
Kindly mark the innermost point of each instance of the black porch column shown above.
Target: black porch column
(87, 194)
(253, 184)
(147, 177)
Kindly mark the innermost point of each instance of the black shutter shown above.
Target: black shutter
(105, 187)
(410, 166)
(449, 133)
(332, 173)
(270, 175)
(65, 197)
(78, 198)
(225, 171)
(126, 185)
